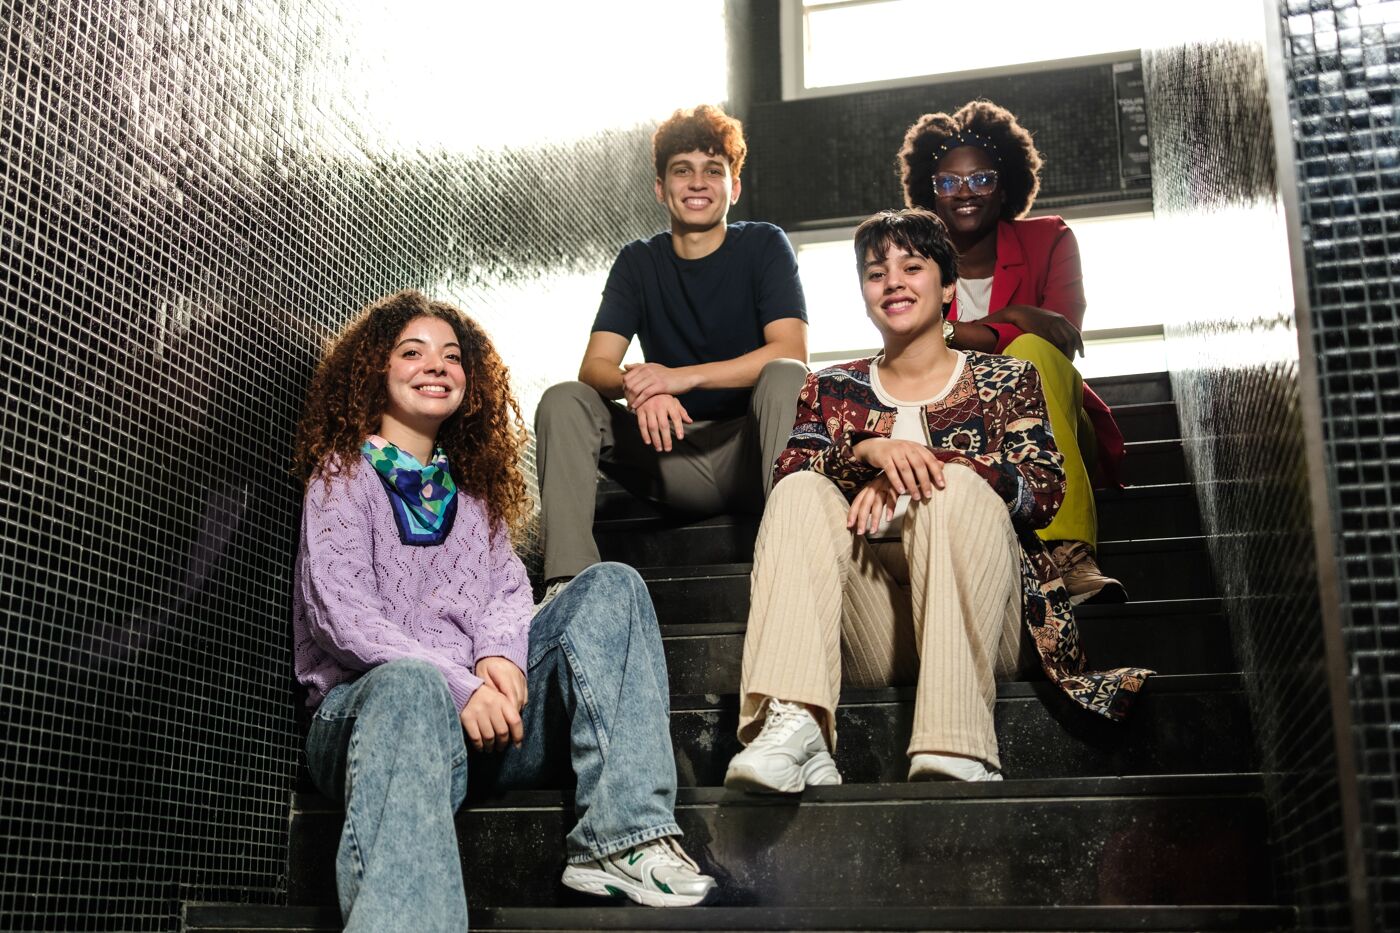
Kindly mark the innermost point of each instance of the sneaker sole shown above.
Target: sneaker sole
(819, 771)
(602, 884)
(1104, 596)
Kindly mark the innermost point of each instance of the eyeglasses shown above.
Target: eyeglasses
(947, 185)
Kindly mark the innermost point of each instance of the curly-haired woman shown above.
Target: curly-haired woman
(1020, 293)
(412, 618)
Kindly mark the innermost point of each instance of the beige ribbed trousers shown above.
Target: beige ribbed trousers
(827, 605)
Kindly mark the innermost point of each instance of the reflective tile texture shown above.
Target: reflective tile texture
(1234, 356)
(193, 196)
(1342, 59)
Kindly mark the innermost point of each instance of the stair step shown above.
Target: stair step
(1180, 840)
(1148, 421)
(1149, 463)
(1161, 569)
(704, 657)
(1133, 389)
(238, 918)
(1152, 470)
(1138, 512)
(1167, 510)
(1179, 725)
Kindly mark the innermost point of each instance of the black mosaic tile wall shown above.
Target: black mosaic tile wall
(192, 197)
(1236, 372)
(1342, 65)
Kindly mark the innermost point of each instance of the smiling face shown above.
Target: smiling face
(966, 215)
(904, 293)
(697, 189)
(424, 381)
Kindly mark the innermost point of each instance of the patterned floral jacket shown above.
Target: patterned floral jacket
(993, 420)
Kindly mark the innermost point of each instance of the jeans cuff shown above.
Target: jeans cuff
(623, 843)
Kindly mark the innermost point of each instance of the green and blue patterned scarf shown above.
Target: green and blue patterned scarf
(424, 497)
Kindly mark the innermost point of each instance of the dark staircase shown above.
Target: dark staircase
(1153, 824)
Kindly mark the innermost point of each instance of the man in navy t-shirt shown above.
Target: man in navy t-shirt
(719, 311)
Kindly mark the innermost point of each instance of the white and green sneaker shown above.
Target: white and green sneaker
(655, 874)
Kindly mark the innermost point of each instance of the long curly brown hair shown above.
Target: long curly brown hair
(1018, 161)
(347, 398)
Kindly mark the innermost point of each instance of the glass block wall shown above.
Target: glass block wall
(194, 195)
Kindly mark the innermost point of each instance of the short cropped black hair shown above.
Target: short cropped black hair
(913, 230)
(1018, 161)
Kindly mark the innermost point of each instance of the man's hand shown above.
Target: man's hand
(502, 674)
(1049, 326)
(657, 416)
(643, 381)
(492, 720)
(912, 468)
(872, 505)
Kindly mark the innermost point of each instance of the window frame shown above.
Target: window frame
(793, 50)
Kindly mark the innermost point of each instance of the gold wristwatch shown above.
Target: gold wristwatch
(947, 332)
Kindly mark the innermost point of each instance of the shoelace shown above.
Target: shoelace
(669, 852)
(783, 720)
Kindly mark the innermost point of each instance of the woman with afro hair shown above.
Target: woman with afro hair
(1020, 293)
(414, 635)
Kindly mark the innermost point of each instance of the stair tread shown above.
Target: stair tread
(668, 521)
(1106, 549)
(1146, 608)
(1174, 786)
(1006, 690)
(214, 917)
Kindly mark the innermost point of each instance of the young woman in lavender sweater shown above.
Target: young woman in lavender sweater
(414, 635)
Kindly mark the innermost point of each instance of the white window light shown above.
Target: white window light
(839, 46)
(1123, 323)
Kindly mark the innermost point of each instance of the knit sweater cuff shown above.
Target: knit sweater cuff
(514, 653)
(462, 684)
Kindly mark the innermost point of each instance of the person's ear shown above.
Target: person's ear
(734, 193)
(950, 292)
(660, 191)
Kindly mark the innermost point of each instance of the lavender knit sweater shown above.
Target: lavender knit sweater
(362, 598)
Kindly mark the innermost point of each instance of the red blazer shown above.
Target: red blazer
(1038, 265)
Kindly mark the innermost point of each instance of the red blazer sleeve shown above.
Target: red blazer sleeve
(1051, 278)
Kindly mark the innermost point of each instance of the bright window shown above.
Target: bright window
(837, 43)
(1125, 282)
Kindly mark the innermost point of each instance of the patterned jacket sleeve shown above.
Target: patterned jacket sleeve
(812, 446)
(1025, 468)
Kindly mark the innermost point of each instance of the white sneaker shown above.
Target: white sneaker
(551, 591)
(654, 874)
(786, 756)
(927, 766)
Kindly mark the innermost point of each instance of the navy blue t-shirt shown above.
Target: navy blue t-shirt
(689, 311)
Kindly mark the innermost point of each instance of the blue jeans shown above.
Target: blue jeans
(390, 745)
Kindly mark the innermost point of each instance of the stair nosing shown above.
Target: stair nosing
(1152, 786)
(1159, 684)
(216, 916)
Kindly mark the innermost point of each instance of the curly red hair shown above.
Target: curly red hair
(1018, 161)
(705, 128)
(482, 439)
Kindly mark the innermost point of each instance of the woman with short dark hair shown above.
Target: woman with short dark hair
(899, 545)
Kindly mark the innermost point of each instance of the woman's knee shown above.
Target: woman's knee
(408, 684)
(803, 489)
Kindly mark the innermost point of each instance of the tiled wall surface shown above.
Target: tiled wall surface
(193, 196)
(1233, 352)
(1342, 63)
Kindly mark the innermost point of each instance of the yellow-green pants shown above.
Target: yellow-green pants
(1077, 519)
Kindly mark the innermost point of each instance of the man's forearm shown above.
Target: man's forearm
(742, 371)
(603, 376)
